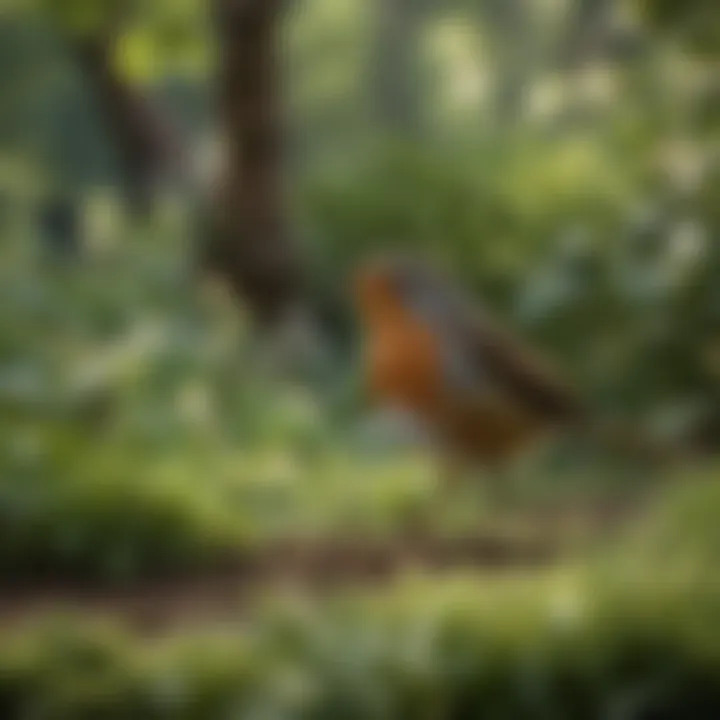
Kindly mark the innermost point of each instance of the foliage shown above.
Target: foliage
(534, 647)
(695, 23)
(143, 431)
(680, 537)
(587, 244)
(120, 390)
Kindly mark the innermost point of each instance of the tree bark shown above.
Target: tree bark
(250, 244)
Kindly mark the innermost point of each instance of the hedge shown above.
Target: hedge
(566, 645)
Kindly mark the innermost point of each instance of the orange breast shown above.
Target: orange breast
(404, 367)
(406, 371)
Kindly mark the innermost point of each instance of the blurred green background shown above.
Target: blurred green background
(561, 156)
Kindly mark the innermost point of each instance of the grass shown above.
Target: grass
(560, 644)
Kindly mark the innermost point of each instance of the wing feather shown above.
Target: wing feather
(482, 359)
(520, 370)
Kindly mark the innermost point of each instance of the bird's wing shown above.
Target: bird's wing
(518, 369)
(483, 359)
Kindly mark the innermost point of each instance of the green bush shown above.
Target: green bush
(681, 535)
(101, 516)
(544, 647)
(590, 244)
(491, 211)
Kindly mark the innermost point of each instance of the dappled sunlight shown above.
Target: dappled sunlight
(481, 482)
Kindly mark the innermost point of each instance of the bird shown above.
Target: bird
(431, 351)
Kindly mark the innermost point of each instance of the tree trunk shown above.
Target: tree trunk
(250, 245)
(244, 237)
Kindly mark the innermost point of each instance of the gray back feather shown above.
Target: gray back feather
(480, 357)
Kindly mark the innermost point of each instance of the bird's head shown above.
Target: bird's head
(391, 283)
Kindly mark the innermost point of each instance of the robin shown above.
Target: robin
(433, 353)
